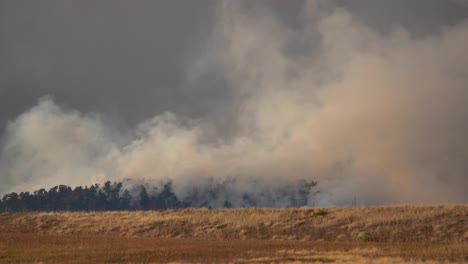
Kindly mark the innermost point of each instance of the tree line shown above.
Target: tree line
(108, 197)
(111, 196)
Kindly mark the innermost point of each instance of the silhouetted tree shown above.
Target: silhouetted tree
(144, 198)
(167, 199)
(11, 202)
(112, 192)
(125, 200)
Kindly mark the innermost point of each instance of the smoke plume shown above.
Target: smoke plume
(375, 114)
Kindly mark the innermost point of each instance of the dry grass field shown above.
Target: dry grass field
(393, 234)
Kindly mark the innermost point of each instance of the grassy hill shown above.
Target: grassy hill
(392, 224)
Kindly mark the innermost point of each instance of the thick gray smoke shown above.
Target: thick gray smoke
(377, 114)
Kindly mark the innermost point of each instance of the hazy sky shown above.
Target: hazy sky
(129, 58)
(365, 96)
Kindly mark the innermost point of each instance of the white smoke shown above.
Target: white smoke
(379, 116)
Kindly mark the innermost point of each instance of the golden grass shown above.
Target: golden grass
(35, 248)
(395, 224)
(390, 234)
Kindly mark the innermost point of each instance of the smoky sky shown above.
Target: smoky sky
(129, 59)
(366, 97)
(108, 56)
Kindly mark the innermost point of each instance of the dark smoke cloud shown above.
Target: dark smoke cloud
(128, 58)
(122, 58)
(366, 97)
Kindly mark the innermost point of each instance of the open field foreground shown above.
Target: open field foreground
(23, 248)
(396, 234)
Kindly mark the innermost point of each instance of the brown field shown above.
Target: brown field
(394, 234)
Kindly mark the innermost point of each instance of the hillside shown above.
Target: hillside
(421, 224)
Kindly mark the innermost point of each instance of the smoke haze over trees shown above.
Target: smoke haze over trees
(366, 97)
(113, 197)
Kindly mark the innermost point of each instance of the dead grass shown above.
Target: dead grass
(37, 248)
(393, 224)
(391, 234)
